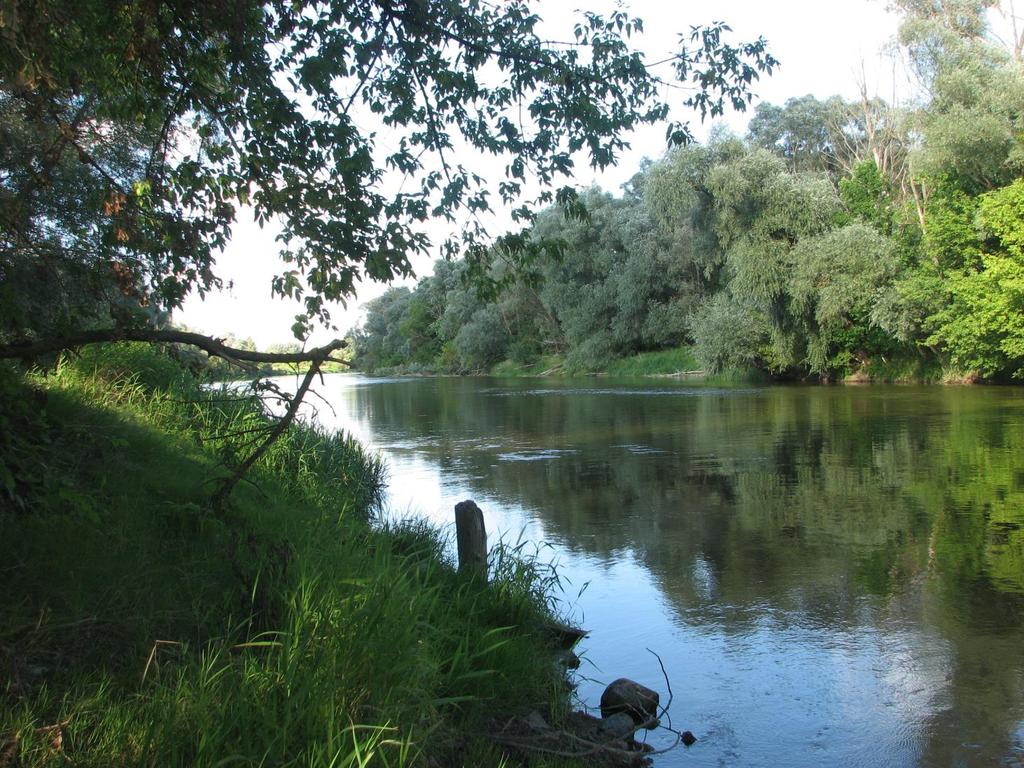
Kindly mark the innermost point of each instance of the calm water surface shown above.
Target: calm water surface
(832, 576)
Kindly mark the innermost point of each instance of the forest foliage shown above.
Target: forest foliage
(837, 237)
(134, 135)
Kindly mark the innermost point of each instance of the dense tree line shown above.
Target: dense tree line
(837, 237)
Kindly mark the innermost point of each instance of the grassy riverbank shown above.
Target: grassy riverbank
(681, 362)
(676, 362)
(138, 627)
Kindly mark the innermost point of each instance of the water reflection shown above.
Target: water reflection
(831, 575)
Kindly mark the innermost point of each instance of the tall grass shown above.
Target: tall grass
(146, 630)
(545, 365)
(328, 469)
(909, 368)
(737, 377)
(662, 362)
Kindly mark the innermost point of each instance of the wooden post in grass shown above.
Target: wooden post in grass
(471, 538)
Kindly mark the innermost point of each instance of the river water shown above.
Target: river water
(832, 576)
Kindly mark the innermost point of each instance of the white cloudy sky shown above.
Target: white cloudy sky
(823, 46)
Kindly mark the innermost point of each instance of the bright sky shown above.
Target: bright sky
(823, 46)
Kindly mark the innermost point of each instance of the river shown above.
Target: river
(831, 575)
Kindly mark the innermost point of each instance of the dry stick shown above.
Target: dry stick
(152, 654)
(591, 747)
(664, 713)
(210, 345)
(655, 721)
(668, 685)
(326, 402)
(293, 407)
(236, 433)
(255, 487)
(594, 747)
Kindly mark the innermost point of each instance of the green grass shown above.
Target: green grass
(546, 365)
(288, 630)
(911, 368)
(737, 377)
(662, 362)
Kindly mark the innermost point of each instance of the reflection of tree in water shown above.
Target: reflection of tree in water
(806, 500)
(883, 480)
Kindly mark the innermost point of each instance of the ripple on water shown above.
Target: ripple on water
(639, 449)
(539, 454)
(625, 391)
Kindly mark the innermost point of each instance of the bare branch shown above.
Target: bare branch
(293, 408)
(33, 348)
